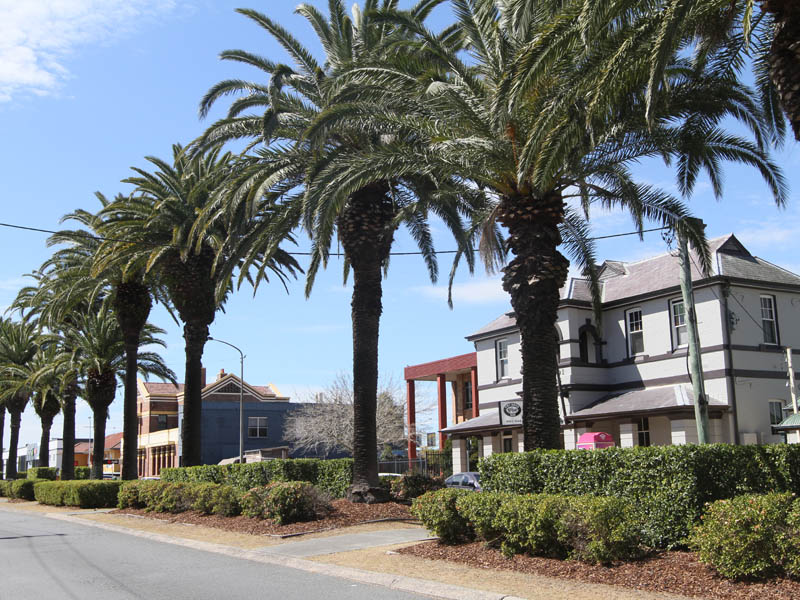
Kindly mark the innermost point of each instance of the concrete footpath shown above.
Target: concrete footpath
(365, 554)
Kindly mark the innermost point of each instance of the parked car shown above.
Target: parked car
(469, 480)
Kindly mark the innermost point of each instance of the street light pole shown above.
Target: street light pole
(241, 396)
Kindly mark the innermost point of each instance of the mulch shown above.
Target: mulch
(344, 514)
(672, 572)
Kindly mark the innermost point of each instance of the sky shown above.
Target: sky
(88, 88)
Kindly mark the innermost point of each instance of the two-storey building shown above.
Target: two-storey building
(626, 373)
(160, 406)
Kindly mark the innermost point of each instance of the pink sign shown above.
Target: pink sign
(594, 440)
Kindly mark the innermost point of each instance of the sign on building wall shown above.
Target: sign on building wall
(511, 412)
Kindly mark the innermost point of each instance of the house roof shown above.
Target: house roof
(648, 400)
(621, 280)
(488, 419)
(113, 441)
(162, 389)
(82, 448)
(790, 422)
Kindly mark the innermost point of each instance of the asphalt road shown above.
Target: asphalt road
(45, 559)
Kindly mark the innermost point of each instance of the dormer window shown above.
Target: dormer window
(635, 332)
(769, 320)
(501, 352)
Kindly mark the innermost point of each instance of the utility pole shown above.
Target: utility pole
(695, 360)
(792, 391)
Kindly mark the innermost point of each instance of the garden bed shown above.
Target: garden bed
(671, 572)
(344, 514)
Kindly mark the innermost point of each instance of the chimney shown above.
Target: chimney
(221, 374)
(202, 377)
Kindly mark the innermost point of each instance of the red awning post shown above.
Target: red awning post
(412, 421)
(473, 377)
(441, 386)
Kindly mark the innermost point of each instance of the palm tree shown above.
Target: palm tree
(86, 269)
(293, 153)
(516, 121)
(763, 32)
(98, 352)
(18, 344)
(195, 271)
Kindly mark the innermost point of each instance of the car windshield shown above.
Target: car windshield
(477, 477)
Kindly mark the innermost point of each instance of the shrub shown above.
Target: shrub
(687, 478)
(226, 501)
(203, 497)
(4, 488)
(131, 494)
(42, 473)
(335, 476)
(480, 511)
(85, 494)
(598, 530)
(413, 485)
(83, 472)
(529, 524)
(22, 489)
(438, 513)
(22, 475)
(746, 536)
(287, 502)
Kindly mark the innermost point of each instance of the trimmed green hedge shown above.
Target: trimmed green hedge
(22, 489)
(4, 491)
(285, 502)
(42, 473)
(83, 472)
(85, 494)
(667, 486)
(585, 528)
(332, 476)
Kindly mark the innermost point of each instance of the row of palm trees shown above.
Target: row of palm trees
(507, 126)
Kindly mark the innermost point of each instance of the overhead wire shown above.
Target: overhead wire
(101, 238)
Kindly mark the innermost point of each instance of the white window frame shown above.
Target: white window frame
(643, 431)
(257, 426)
(629, 331)
(675, 326)
(769, 318)
(773, 413)
(501, 359)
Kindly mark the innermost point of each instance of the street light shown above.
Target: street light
(241, 396)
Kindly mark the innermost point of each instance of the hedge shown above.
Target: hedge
(333, 476)
(21, 489)
(83, 472)
(668, 486)
(585, 528)
(4, 491)
(85, 494)
(42, 473)
(175, 497)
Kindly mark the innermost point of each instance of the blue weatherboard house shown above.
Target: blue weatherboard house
(161, 409)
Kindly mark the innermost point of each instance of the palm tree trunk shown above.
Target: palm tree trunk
(2, 429)
(784, 57)
(130, 414)
(366, 235)
(533, 280)
(99, 448)
(195, 335)
(68, 438)
(44, 443)
(132, 304)
(13, 442)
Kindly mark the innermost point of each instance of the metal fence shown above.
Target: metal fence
(433, 464)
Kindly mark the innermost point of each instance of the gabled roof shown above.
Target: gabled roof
(113, 441)
(162, 389)
(263, 392)
(621, 280)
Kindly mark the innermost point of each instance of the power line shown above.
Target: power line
(415, 253)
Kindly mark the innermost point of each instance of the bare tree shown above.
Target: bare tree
(325, 425)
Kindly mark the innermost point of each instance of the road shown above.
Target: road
(46, 559)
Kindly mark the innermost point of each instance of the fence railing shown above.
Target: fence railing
(433, 464)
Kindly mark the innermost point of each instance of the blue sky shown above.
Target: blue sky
(90, 87)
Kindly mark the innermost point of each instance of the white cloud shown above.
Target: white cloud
(767, 234)
(37, 36)
(486, 291)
